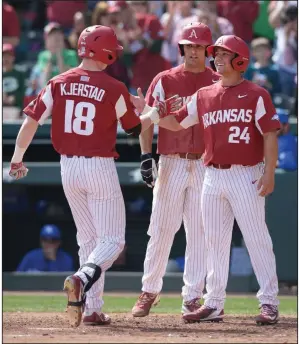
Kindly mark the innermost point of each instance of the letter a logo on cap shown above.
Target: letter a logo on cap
(192, 34)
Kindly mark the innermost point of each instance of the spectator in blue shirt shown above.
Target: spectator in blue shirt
(262, 71)
(49, 257)
(287, 144)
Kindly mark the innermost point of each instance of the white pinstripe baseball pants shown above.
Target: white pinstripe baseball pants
(94, 195)
(227, 194)
(176, 197)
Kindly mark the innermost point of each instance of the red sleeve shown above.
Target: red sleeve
(11, 26)
(41, 107)
(125, 112)
(266, 119)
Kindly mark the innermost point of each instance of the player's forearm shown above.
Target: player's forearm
(146, 122)
(170, 123)
(24, 138)
(270, 152)
(146, 140)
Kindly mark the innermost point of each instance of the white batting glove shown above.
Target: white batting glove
(18, 170)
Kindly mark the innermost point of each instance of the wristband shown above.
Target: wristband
(146, 109)
(154, 116)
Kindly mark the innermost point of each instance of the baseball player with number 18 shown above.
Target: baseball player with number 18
(180, 178)
(86, 105)
(238, 123)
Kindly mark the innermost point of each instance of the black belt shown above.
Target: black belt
(77, 156)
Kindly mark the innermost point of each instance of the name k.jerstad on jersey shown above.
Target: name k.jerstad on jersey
(82, 90)
(229, 115)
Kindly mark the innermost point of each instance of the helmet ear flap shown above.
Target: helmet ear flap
(181, 48)
(238, 64)
(212, 64)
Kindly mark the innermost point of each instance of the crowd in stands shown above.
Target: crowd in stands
(40, 39)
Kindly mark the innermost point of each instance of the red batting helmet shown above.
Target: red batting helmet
(235, 45)
(195, 33)
(99, 43)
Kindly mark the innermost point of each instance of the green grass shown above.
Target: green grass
(117, 304)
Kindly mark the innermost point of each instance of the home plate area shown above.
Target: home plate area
(31, 327)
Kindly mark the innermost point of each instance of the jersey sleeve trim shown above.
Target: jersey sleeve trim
(192, 113)
(120, 107)
(47, 99)
(259, 113)
(159, 91)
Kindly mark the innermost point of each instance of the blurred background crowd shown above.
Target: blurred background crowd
(40, 41)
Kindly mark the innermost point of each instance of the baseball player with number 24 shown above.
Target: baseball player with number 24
(238, 123)
(86, 105)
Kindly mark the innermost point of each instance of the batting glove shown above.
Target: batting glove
(168, 106)
(148, 169)
(18, 170)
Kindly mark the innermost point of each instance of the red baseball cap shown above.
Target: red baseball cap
(8, 48)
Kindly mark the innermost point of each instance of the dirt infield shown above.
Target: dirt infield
(19, 327)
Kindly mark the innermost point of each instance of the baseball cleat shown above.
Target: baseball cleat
(73, 286)
(144, 304)
(191, 306)
(96, 319)
(269, 315)
(204, 313)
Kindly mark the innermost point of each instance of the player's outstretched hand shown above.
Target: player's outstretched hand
(148, 169)
(168, 106)
(138, 101)
(265, 185)
(18, 170)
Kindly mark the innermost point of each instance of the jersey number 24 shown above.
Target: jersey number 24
(81, 124)
(236, 135)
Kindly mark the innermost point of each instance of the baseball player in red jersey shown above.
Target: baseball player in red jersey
(239, 123)
(86, 105)
(180, 178)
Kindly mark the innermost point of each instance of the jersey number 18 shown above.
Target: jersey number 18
(76, 124)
